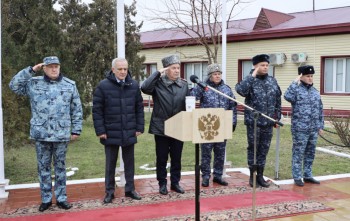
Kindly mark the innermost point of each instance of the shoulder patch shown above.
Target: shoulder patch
(68, 80)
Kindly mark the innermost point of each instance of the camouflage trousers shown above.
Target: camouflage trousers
(304, 145)
(45, 152)
(263, 141)
(219, 159)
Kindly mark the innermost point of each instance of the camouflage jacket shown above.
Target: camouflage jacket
(307, 107)
(212, 99)
(264, 95)
(55, 105)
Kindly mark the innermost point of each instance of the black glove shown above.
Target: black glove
(233, 128)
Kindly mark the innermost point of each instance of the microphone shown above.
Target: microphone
(195, 80)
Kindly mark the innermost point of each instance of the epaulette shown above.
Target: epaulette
(36, 78)
(68, 80)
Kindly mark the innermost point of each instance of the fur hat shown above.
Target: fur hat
(51, 60)
(260, 58)
(171, 59)
(307, 69)
(213, 68)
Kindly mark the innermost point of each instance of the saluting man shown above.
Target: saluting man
(262, 93)
(57, 118)
(307, 123)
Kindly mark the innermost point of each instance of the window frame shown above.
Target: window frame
(322, 76)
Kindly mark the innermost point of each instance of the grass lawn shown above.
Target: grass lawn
(87, 154)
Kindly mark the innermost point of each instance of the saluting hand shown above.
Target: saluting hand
(162, 71)
(38, 67)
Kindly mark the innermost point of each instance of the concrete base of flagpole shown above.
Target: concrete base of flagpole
(227, 164)
(3, 193)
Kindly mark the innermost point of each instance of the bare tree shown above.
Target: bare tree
(199, 20)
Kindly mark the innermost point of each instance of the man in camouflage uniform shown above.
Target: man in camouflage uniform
(262, 93)
(56, 119)
(211, 99)
(307, 122)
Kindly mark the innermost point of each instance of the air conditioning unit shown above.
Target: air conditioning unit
(277, 59)
(298, 57)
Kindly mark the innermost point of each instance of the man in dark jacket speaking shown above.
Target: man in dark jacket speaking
(169, 93)
(118, 119)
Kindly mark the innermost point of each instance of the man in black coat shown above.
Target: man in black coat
(118, 119)
(169, 93)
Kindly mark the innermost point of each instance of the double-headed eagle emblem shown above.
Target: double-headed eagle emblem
(208, 126)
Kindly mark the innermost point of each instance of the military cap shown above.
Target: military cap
(51, 60)
(169, 60)
(260, 58)
(213, 68)
(307, 69)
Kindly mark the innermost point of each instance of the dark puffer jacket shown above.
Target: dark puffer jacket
(118, 111)
(168, 98)
(264, 95)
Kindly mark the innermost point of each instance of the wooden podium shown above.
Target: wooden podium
(205, 125)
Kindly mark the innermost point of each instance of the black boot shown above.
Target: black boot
(260, 177)
(251, 169)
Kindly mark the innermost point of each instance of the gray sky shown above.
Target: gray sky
(249, 10)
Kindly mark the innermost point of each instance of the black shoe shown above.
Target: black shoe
(133, 194)
(205, 182)
(260, 177)
(64, 205)
(108, 198)
(44, 206)
(311, 180)
(299, 182)
(177, 188)
(163, 190)
(220, 181)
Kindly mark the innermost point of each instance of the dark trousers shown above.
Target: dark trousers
(111, 153)
(263, 141)
(164, 147)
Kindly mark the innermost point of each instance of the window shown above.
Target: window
(148, 69)
(336, 78)
(246, 67)
(199, 69)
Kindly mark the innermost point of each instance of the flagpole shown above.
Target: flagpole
(3, 181)
(223, 65)
(121, 54)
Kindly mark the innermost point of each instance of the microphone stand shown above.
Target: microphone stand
(257, 114)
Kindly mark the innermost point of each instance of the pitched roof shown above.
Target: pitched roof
(268, 19)
(280, 25)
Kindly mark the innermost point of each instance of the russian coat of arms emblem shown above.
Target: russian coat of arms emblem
(208, 126)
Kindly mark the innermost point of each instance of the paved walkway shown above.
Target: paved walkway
(332, 192)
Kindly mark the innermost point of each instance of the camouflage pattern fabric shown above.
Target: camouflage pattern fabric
(56, 113)
(219, 159)
(307, 107)
(263, 140)
(304, 146)
(45, 151)
(211, 99)
(55, 105)
(263, 94)
(307, 120)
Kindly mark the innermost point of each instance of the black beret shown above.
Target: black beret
(260, 58)
(307, 69)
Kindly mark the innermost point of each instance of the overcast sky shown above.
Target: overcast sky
(250, 10)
